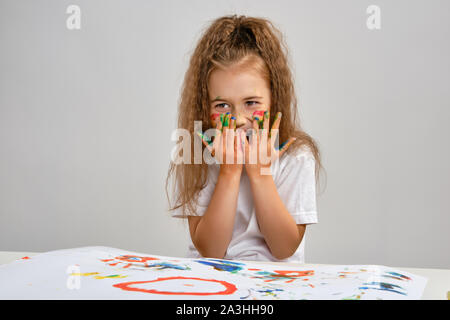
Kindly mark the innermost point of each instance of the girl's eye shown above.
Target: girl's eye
(221, 106)
(255, 102)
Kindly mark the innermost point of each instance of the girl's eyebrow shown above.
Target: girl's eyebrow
(218, 98)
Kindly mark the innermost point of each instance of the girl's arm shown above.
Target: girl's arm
(282, 234)
(212, 232)
(277, 225)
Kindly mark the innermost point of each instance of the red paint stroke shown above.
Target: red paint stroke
(259, 113)
(290, 273)
(215, 115)
(26, 258)
(106, 260)
(138, 259)
(343, 272)
(289, 281)
(128, 265)
(229, 288)
(254, 269)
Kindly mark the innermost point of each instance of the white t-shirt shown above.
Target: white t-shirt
(294, 178)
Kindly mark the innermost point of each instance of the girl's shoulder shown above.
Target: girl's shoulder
(299, 154)
(294, 167)
(295, 161)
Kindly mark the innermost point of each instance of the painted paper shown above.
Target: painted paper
(109, 273)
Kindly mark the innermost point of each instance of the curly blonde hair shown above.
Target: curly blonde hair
(246, 42)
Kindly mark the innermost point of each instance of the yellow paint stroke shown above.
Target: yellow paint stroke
(84, 274)
(114, 276)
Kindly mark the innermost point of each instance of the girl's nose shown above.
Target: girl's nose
(240, 120)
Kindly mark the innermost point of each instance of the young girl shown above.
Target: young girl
(238, 79)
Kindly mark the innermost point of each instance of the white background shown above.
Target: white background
(86, 118)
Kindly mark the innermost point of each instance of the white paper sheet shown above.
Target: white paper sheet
(109, 273)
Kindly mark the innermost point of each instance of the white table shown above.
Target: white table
(437, 287)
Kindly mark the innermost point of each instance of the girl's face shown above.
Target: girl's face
(239, 92)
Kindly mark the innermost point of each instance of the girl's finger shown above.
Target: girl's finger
(219, 124)
(244, 145)
(266, 120)
(218, 136)
(259, 114)
(255, 131)
(218, 131)
(226, 120)
(233, 123)
(229, 133)
(264, 125)
(256, 124)
(273, 134)
(228, 137)
(276, 121)
(206, 141)
(222, 115)
(237, 148)
(285, 145)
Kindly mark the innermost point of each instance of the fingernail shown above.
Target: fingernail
(278, 115)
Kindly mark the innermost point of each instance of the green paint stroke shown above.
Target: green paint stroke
(204, 137)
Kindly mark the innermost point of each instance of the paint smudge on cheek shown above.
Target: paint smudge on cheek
(214, 119)
(258, 113)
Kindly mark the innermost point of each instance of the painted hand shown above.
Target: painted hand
(261, 149)
(226, 147)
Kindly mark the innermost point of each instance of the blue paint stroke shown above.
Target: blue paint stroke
(246, 297)
(396, 276)
(269, 291)
(382, 286)
(165, 265)
(223, 265)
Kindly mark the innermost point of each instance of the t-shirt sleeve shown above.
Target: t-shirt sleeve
(204, 197)
(297, 187)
